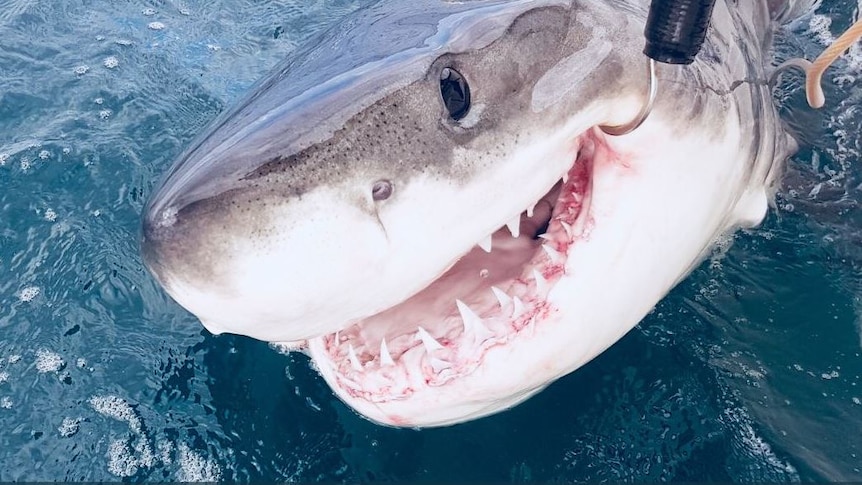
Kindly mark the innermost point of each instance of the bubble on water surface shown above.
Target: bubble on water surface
(82, 69)
(29, 293)
(69, 427)
(117, 408)
(194, 468)
(155, 26)
(149, 12)
(47, 361)
(111, 62)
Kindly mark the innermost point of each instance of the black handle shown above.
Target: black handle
(676, 29)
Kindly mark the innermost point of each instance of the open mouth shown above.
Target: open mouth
(492, 296)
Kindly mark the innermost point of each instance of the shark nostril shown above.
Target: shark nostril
(167, 217)
(381, 190)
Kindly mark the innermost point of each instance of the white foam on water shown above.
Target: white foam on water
(50, 215)
(194, 468)
(149, 12)
(165, 448)
(121, 462)
(111, 62)
(13, 359)
(819, 26)
(44, 155)
(117, 408)
(69, 427)
(125, 457)
(82, 69)
(6, 402)
(48, 361)
(28, 293)
(3, 158)
(156, 26)
(753, 445)
(4, 376)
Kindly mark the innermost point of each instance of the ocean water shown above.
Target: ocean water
(748, 371)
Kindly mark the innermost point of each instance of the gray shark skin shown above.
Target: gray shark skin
(339, 206)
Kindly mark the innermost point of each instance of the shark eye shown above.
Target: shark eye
(455, 92)
(381, 190)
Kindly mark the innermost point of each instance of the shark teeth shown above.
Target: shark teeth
(439, 365)
(428, 341)
(385, 356)
(552, 253)
(568, 228)
(541, 282)
(530, 209)
(502, 297)
(472, 323)
(486, 244)
(565, 177)
(353, 358)
(518, 307)
(515, 226)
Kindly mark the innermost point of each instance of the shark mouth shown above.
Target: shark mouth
(490, 297)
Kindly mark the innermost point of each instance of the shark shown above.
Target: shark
(422, 199)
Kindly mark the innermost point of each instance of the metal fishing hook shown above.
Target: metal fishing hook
(675, 31)
(646, 109)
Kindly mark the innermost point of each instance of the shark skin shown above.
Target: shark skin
(443, 257)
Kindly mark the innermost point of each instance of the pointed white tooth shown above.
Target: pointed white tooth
(541, 282)
(545, 236)
(427, 340)
(385, 356)
(486, 244)
(472, 322)
(567, 227)
(438, 365)
(530, 209)
(519, 307)
(515, 226)
(354, 360)
(502, 297)
(552, 253)
(565, 177)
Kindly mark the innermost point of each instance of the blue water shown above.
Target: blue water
(748, 371)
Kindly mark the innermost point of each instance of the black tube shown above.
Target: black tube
(676, 29)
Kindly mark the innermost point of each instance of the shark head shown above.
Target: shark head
(423, 202)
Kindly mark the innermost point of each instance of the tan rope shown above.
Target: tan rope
(814, 71)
